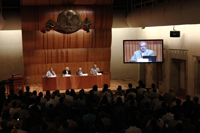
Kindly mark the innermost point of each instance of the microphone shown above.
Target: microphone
(142, 54)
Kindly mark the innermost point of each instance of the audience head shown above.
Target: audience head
(40, 94)
(37, 100)
(130, 97)
(187, 97)
(153, 85)
(171, 90)
(55, 93)
(35, 93)
(178, 101)
(20, 92)
(61, 100)
(11, 91)
(119, 101)
(82, 90)
(119, 88)
(14, 104)
(95, 88)
(48, 93)
(132, 102)
(196, 99)
(27, 88)
(140, 82)
(146, 95)
(105, 86)
(104, 100)
(67, 92)
(91, 92)
(72, 92)
(58, 92)
(130, 85)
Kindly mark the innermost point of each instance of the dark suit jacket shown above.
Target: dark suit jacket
(64, 72)
(78, 73)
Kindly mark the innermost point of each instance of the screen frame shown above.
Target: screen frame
(139, 40)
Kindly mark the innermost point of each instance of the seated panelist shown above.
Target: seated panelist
(51, 73)
(94, 70)
(80, 71)
(66, 71)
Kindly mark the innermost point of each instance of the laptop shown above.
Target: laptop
(101, 72)
(151, 58)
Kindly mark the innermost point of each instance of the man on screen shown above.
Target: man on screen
(142, 52)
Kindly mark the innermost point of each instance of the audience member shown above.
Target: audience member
(168, 97)
(98, 111)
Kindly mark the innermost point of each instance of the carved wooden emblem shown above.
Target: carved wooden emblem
(69, 21)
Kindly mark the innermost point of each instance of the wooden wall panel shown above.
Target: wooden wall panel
(28, 39)
(53, 49)
(58, 40)
(36, 40)
(66, 2)
(35, 18)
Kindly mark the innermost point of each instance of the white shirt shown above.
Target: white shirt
(51, 101)
(141, 90)
(167, 117)
(51, 74)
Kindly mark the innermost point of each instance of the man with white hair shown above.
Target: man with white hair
(66, 71)
(142, 52)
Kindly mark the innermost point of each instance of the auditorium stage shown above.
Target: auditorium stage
(113, 86)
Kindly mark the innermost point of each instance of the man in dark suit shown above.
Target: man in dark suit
(66, 71)
(80, 71)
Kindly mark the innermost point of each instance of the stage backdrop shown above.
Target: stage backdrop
(58, 50)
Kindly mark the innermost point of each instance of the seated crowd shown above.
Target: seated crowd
(134, 110)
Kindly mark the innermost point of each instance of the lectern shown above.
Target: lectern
(16, 83)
